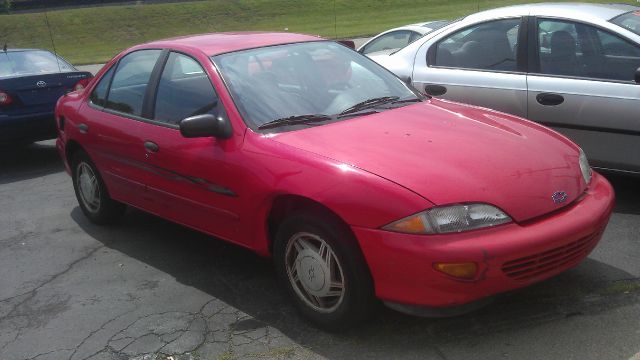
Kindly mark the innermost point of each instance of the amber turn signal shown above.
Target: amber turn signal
(466, 271)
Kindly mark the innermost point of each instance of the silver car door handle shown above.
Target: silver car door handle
(435, 90)
(549, 99)
(83, 128)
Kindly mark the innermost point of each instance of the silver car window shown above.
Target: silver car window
(394, 40)
(629, 21)
(575, 49)
(487, 46)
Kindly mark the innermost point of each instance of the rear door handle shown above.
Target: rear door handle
(549, 99)
(151, 146)
(435, 90)
(83, 128)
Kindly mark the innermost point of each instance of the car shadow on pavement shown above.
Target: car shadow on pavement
(247, 282)
(627, 194)
(28, 162)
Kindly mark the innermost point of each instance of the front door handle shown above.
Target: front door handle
(549, 99)
(151, 146)
(83, 128)
(435, 90)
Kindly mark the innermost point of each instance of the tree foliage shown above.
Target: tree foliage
(5, 6)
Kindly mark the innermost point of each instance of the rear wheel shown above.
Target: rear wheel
(322, 267)
(91, 192)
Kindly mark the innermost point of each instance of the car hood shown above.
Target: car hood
(453, 153)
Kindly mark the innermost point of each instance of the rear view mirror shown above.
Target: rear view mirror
(348, 43)
(206, 125)
(637, 77)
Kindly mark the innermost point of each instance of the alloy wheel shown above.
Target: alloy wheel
(315, 272)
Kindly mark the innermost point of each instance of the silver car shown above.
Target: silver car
(573, 67)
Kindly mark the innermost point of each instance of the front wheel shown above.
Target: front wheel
(322, 267)
(91, 192)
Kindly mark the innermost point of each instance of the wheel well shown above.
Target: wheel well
(284, 205)
(71, 148)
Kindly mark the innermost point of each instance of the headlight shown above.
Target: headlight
(584, 167)
(448, 219)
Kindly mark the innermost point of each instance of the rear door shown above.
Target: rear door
(582, 84)
(115, 125)
(480, 64)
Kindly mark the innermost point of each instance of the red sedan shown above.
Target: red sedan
(359, 187)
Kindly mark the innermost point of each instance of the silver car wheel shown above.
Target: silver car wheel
(315, 272)
(88, 187)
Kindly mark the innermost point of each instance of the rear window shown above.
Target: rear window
(31, 62)
(629, 21)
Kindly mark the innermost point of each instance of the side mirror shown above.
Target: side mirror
(348, 43)
(637, 77)
(206, 125)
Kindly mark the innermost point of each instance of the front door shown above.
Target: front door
(194, 181)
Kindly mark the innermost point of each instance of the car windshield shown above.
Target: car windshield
(31, 62)
(629, 21)
(306, 82)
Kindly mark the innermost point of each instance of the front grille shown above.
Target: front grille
(532, 266)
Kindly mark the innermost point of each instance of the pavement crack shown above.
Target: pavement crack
(75, 350)
(12, 313)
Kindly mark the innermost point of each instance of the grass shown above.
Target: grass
(622, 287)
(94, 35)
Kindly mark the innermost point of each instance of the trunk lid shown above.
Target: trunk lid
(39, 93)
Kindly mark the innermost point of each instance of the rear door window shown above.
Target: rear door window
(574, 49)
(99, 93)
(130, 81)
(184, 90)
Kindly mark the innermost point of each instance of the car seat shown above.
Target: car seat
(562, 59)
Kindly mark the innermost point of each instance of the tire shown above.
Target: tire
(92, 195)
(302, 272)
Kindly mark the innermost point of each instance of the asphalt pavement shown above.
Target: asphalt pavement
(149, 289)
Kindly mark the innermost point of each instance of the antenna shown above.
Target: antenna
(55, 53)
(335, 21)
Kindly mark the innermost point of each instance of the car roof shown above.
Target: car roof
(219, 43)
(584, 11)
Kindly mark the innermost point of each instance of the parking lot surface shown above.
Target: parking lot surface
(149, 289)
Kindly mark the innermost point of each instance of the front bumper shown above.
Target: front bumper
(27, 127)
(510, 256)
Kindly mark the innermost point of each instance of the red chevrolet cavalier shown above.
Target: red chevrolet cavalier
(359, 187)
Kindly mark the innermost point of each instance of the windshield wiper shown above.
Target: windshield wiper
(368, 104)
(410, 100)
(295, 120)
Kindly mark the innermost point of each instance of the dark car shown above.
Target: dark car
(31, 82)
